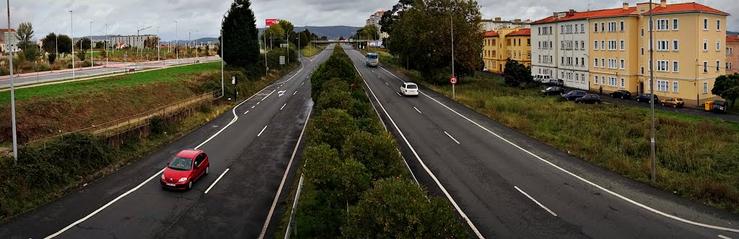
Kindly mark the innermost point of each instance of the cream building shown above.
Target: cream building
(504, 44)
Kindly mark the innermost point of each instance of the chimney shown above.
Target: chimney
(626, 6)
(663, 3)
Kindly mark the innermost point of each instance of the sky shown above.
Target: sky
(180, 19)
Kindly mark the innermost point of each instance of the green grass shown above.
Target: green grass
(156, 76)
(698, 156)
(311, 50)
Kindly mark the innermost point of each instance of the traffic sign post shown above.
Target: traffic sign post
(453, 80)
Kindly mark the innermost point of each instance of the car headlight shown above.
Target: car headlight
(183, 179)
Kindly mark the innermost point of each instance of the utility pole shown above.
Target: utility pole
(105, 44)
(12, 89)
(451, 20)
(652, 146)
(287, 37)
(177, 35)
(71, 35)
(189, 41)
(223, 59)
(266, 68)
(158, 44)
(92, 60)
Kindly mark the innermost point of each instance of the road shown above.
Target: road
(504, 184)
(50, 76)
(250, 148)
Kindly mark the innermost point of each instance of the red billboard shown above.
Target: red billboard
(270, 22)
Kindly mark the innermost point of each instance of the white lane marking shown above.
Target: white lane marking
(283, 106)
(723, 237)
(253, 106)
(426, 168)
(217, 179)
(537, 202)
(106, 205)
(419, 112)
(398, 93)
(265, 97)
(259, 102)
(638, 204)
(284, 178)
(280, 93)
(295, 92)
(301, 83)
(236, 117)
(246, 112)
(450, 136)
(260, 132)
(296, 73)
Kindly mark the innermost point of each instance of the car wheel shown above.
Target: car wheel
(189, 185)
(622, 97)
(207, 170)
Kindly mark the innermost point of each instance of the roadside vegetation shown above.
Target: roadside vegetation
(697, 155)
(311, 50)
(356, 185)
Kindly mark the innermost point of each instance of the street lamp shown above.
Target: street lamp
(158, 44)
(176, 43)
(71, 35)
(652, 151)
(451, 20)
(92, 59)
(12, 90)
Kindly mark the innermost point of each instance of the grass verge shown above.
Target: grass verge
(311, 50)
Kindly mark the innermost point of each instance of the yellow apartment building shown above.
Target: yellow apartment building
(613, 51)
(506, 43)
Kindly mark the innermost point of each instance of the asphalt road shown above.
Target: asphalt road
(249, 147)
(506, 185)
(50, 76)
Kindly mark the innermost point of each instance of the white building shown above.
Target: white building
(563, 54)
(498, 23)
(133, 41)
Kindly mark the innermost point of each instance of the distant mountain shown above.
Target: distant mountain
(332, 32)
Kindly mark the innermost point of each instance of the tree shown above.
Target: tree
(83, 44)
(727, 87)
(398, 208)
(65, 44)
(332, 127)
(377, 152)
(423, 32)
(275, 35)
(99, 45)
(81, 53)
(369, 32)
(49, 43)
(517, 74)
(287, 26)
(25, 35)
(52, 58)
(240, 35)
(304, 37)
(151, 42)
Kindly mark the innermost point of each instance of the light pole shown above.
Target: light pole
(105, 45)
(222, 65)
(158, 44)
(176, 43)
(12, 90)
(266, 68)
(71, 35)
(92, 59)
(451, 21)
(652, 147)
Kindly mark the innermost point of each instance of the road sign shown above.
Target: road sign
(453, 80)
(233, 80)
(10, 38)
(282, 60)
(271, 21)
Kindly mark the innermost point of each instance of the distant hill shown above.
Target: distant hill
(332, 32)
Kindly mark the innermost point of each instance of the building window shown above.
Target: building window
(663, 24)
(705, 45)
(623, 83)
(623, 45)
(595, 27)
(675, 24)
(718, 25)
(663, 45)
(642, 51)
(675, 45)
(705, 87)
(603, 44)
(675, 86)
(705, 24)
(718, 45)
(595, 45)
(642, 32)
(663, 66)
(705, 67)
(675, 66)
(596, 80)
(718, 65)
(622, 26)
(603, 27)
(582, 28)
(596, 62)
(623, 64)
(663, 86)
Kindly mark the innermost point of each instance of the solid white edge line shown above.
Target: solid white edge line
(284, 178)
(417, 110)
(450, 136)
(436, 180)
(260, 132)
(537, 202)
(723, 237)
(295, 204)
(638, 204)
(265, 97)
(236, 117)
(217, 179)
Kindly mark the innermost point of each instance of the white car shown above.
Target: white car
(409, 89)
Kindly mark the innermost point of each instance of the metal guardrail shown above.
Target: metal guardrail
(119, 126)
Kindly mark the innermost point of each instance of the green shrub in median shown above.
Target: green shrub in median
(332, 128)
(377, 152)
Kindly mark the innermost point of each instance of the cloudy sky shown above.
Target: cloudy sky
(202, 17)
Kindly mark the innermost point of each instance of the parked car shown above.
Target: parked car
(589, 99)
(673, 102)
(552, 90)
(184, 169)
(720, 106)
(409, 89)
(647, 98)
(622, 94)
(573, 94)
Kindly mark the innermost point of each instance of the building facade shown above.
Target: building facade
(732, 57)
(133, 41)
(3, 45)
(504, 44)
(498, 23)
(690, 49)
(543, 52)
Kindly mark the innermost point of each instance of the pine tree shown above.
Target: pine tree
(239, 31)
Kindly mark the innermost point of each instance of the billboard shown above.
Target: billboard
(271, 21)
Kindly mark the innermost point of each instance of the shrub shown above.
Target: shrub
(331, 126)
(376, 152)
(397, 208)
(335, 95)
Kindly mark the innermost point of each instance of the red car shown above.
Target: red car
(185, 168)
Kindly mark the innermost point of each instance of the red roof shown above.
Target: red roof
(520, 32)
(491, 34)
(732, 38)
(631, 11)
(686, 8)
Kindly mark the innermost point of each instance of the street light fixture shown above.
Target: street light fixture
(12, 90)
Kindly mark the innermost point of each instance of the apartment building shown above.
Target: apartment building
(689, 49)
(504, 44)
(561, 50)
(498, 23)
(732, 57)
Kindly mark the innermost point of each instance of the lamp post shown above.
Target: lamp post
(222, 65)
(105, 45)
(652, 146)
(451, 20)
(71, 35)
(176, 35)
(12, 90)
(158, 45)
(92, 60)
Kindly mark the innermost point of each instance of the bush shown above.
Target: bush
(273, 57)
(331, 126)
(397, 208)
(335, 95)
(376, 152)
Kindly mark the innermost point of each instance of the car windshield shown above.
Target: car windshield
(411, 86)
(180, 164)
(372, 56)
